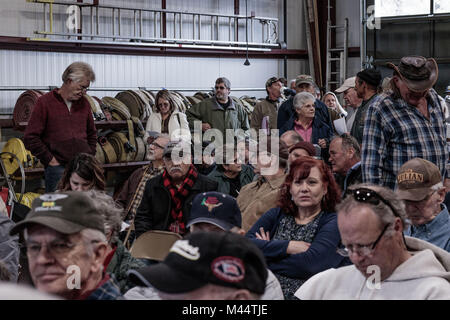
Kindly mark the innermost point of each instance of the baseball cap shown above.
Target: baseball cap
(215, 208)
(180, 146)
(348, 83)
(304, 78)
(447, 91)
(272, 81)
(220, 258)
(305, 145)
(415, 178)
(66, 212)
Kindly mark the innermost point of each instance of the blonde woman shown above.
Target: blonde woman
(167, 119)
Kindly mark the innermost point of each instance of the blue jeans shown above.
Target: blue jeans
(52, 175)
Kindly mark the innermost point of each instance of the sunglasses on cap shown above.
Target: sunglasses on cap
(367, 195)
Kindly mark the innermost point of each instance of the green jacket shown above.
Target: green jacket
(209, 111)
(121, 262)
(265, 108)
(245, 177)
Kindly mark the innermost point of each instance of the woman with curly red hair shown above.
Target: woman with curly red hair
(299, 238)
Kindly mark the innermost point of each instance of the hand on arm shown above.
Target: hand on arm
(295, 247)
(262, 235)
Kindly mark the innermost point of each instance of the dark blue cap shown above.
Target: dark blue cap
(216, 208)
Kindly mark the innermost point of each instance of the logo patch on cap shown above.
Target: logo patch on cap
(409, 176)
(184, 249)
(52, 197)
(229, 269)
(211, 203)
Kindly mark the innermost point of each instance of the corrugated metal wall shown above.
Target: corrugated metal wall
(21, 68)
(24, 68)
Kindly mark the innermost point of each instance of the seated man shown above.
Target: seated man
(208, 163)
(301, 149)
(345, 160)
(130, 196)
(214, 212)
(230, 174)
(290, 138)
(70, 228)
(167, 198)
(421, 186)
(209, 265)
(371, 220)
(257, 197)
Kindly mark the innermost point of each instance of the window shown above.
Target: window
(441, 6)
(394, 8)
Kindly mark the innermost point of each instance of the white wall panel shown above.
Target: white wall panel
(43, 69)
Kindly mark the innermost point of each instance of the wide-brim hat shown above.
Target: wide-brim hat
(418, 73)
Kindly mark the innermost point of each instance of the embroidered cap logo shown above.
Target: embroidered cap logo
(211, 203)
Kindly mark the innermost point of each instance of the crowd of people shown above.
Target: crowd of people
(297, 211)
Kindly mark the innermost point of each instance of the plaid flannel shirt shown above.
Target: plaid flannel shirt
(109, 290)
(395, 132)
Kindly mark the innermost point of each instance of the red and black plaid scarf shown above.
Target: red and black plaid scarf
(178, 195)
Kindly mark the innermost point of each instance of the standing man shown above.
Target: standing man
(421, 187)
(405, 124)
(220, 112)
(62, 124)
(351, 99)
(264, 115)
(366, 86)
(345, 160)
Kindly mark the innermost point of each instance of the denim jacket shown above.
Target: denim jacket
(436, 231)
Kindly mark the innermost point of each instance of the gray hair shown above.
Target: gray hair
(111, 212)
(348, 141)
(225, 81)
(91, 237)
(437, 186)
(383, 211)
(293, 137)
(302, 98)
(77, 71)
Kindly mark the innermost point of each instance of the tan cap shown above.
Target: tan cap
(415, 178)
(304, 78)
(348, 83)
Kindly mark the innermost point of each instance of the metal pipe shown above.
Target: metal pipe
(213, 42)
(175, 25)
(199, 27)
(173, 45)
(362, 32)
(44, 88)
(118, 17)
(97, 27)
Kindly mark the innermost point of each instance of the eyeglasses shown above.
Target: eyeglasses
(362, 250)
(221, 87)
(156, 145)
(57, 248)
(369, 196)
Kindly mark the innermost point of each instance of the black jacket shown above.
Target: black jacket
(154, 210)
